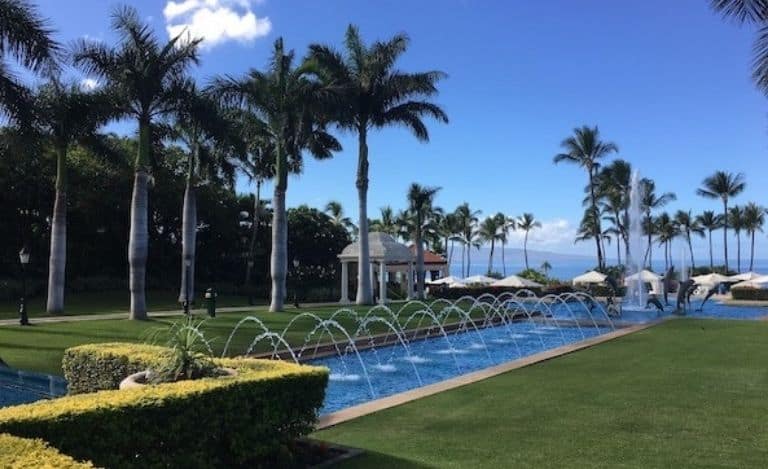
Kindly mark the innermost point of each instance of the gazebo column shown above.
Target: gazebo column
(373, 279)
(344, 283)
(409, 289)
(382, 282)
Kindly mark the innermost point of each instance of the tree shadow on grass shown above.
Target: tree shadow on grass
(372, 459)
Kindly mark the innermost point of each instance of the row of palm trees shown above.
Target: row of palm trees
(261, 123)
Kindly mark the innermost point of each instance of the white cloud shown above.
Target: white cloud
(215, 21)
(553, 233)
(89, 84)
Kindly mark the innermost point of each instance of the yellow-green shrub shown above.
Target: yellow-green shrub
(97, 367)
(247, 420)
(25, 453)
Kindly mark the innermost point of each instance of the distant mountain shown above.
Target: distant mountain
(534, 257)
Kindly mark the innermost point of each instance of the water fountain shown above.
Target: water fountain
(636, 296)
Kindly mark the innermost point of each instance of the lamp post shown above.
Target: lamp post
(187, 265)
(296, 280)
(24, 259)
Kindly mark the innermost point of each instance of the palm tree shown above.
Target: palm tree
(26, 38)
(507, 224)
(467, 221)
(585, 149)
(667, 231)
(420, 201)
(650, 201)
(375, 94)
(448, 228)
(753, 220)
(527, 222)
(723, 185)
(710, 222)
(336, 212)
(387, 223)
(148, 78)
(736, 221)
(210, 136)
(752, 12)
(688, 226)
(490, 232)
(294, 108)
(66, 115)
(546, 267)
(614, 181)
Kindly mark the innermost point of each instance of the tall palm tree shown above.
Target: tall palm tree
(710, 222)
(448, 228)
(723, 185)
(387, 223)
(148, 77)
(736, 221)
(585, 149)
(546, 267)
(376, 94)
(614, 185)
(650, 202)
(689, 226)
(420, 200)
(213, 145)
(751, 12)
(295, 108)
(507, 224)
(334, 210)
(26, 38)
(467, 220)
(667, 231)
(66, 115)
(490, 232)
(753, 221)
(527, 222)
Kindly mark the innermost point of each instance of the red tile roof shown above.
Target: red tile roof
(430, 257)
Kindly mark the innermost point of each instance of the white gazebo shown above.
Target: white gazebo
(516, 281)
(591, 277)
(383, 251)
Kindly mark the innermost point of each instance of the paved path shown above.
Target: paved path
(152, 314)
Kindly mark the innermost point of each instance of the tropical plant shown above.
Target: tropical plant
(508, 224)
(25, 37)
(723, 185)
(336, 212)
(449, 229)
(667, 230)
(689, 226)
(753, 220)
(546, 267)
(710, 222)
(148, 80)
(387, 223)
(527, 222)
(736, 221)
(420, 200)
(490, 232)
(752, 12)
(67, 116)
(467, 220)
(650, 202)
(614, 182)
(295, 109)
(585, 149)
(189, 355)
(375, 94)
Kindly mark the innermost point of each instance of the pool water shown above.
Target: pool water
(393, 369)
(21, 387)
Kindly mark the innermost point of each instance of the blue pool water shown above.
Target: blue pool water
(392, 370)
(21, 387)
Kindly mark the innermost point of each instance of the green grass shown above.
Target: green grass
(688, 393)
(110, 302)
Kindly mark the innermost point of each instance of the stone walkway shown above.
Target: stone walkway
(152, 314)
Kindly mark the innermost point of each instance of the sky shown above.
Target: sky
(669, 82)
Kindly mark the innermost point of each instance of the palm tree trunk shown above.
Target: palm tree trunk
(447, 259)
(690, 248)
(463, 256)
(595, 213)
(364, 296)
(188, 243)
(138, 240)
(503, 260)
(725, 234)
(419, 261)
(618, 249)
(279, 257)
(252, 246)
(738, 251)
(525, 249)
(58, 256)
(752, 252)
(711, 258)
(490, 259)
(469, 258)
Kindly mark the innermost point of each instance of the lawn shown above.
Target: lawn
(688, 393)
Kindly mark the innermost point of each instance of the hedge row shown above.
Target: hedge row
(746, 293)
(456, 293)
(243, 421)
(25, 453)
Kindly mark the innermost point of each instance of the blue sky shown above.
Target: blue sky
(667, 81)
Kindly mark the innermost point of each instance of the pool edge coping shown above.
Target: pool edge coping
(370, 407)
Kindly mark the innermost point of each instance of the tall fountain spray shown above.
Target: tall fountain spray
(636, 294)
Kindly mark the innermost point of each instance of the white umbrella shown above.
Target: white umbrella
(515, 281)
(444, 281)
(744, 277)
(457, 285)
(478, 280)
(645, 276)
(592, 276)
(756, 282)
(710, 279)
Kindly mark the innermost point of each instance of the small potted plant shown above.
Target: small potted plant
(189, 357)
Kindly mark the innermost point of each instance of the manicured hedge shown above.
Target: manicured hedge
(243, 421)
(98, 367)
(456, 293)
(746, 293)
(25, 453)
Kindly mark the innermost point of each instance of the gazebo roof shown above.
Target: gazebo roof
(382, 247)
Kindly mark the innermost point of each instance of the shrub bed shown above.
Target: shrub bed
(456, 293)
(245, 421)
(25, 453)
(746, 293)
